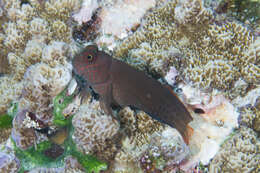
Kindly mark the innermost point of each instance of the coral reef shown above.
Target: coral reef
(124, 11)
(118, 19)
(22, 132)
(4, 134)
(42, 83)
(92, 128)
(190, 45)
(71, 165)
(214, 118)
(147, 139)
(166, 150)
(87, 9)
(65, 104)
(249, 108)
(247, 10)
(10, 90)
(239, 154)
(139, 125)
(32, 32)
(207, 51)
(51, 150)
(9, 163)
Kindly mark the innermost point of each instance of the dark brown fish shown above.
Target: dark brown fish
(118, 83)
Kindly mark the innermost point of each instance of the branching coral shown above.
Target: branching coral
(238, 154)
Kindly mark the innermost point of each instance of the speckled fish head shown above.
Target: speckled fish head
(92, 65)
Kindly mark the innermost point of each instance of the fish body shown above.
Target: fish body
(118, 83)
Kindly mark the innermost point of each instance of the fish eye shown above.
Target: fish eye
(90, 57)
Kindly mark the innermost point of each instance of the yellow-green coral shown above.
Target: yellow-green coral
(209, 52)
(238, 154)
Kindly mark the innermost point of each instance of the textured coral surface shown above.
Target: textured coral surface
(209, 58)
(93, 128)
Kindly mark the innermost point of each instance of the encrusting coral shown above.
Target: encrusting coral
(204, 49)
(209, 52)
(239, 154)
(22, 133)
(138, 125)
(92, 128)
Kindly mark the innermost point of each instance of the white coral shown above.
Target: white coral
(33, 51)
(55, 53)
(86, 11)
(124, 15)
(39, 26)
(41, 78)
(14, 38)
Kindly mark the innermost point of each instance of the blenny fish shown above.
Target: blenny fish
(117, 83)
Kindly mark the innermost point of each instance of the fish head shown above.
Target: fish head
(92, 65)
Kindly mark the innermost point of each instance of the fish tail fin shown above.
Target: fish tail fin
(187, 133)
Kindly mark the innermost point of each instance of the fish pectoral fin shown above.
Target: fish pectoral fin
(105, 106)
(84, 94)
(105, 91)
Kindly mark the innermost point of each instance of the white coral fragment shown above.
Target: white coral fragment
(86, 11)
(119, 19)
(211, 127)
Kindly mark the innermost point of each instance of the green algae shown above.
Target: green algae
(13, 109)
(60, 102)
(34, 157)
(7, 119)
